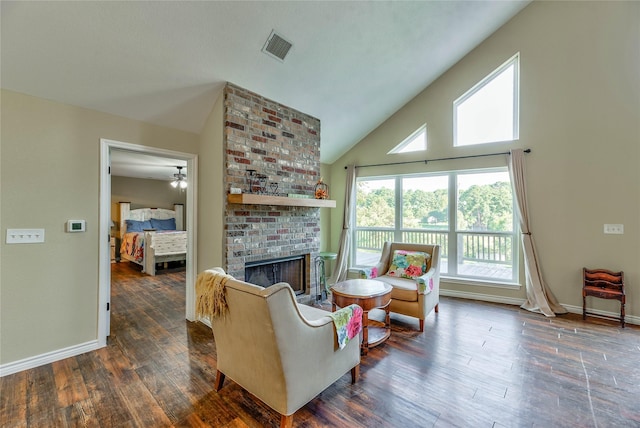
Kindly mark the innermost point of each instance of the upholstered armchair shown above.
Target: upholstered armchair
(415, 293)
(281, 352)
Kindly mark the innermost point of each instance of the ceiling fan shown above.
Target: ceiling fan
(180, 179)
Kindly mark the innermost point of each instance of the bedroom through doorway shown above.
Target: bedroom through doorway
(155, 220)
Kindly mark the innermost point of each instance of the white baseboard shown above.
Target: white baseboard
(630, 319)
(482, 297)
(205, 321)
(46, 358)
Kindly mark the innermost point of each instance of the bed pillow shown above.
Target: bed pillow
(168, 224)
(137, 225)
(408, 264)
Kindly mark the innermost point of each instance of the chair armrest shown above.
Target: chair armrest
(371, 272)
(426, 281)
(348, 323)
(368, 273)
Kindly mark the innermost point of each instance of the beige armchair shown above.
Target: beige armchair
(411, 297)
(281, 352)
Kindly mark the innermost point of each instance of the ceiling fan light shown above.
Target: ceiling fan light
(180, 179)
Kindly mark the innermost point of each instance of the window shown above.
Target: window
(488, 112)
(376, 215)
(468, 213)
(485, 226)
(415, 142)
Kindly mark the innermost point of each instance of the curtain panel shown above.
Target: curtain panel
(540, 298)
(342, 261)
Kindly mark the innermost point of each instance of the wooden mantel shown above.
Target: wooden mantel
(254, 199)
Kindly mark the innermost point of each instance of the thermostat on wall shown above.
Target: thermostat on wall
(76, 226)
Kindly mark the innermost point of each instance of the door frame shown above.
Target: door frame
(104, 287)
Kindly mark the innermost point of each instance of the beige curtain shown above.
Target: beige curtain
(539, 296)
(342, 261)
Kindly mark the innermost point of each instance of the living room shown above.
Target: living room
(579, 107)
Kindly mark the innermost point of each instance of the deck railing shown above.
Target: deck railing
(486, 247)
(475, 246)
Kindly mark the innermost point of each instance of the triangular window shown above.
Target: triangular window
(415, 142)
(488, 112)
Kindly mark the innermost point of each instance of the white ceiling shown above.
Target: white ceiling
(141, 165)
(352, 64)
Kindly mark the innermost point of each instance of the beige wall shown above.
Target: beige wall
(50, 173)
(325, 213)
(211, 193)
(580, 115)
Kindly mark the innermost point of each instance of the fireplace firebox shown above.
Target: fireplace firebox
(266, 273)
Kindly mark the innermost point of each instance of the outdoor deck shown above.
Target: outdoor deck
(472, 269)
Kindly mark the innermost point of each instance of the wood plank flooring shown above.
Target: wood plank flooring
(476, 365)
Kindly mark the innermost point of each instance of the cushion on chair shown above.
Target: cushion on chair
(403, 289)
(408, 264)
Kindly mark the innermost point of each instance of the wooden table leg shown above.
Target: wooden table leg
(387, 318)
(365, 332)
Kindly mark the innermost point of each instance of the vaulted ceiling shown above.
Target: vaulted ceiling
(352, 64)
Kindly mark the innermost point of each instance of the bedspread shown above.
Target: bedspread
(133, 245)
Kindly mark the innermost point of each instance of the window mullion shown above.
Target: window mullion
(399, 201)
(516, 97)
(453, 226)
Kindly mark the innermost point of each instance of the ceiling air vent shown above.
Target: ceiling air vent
(276, 46)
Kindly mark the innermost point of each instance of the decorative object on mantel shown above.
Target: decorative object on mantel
(257, 184)
(252, 181)
(322, 190)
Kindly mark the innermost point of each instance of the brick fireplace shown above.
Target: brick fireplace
(281, 146)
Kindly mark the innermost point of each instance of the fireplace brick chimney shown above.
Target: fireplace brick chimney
(283, 144)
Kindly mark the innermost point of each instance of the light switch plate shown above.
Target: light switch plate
(25, 236)
(614, 229)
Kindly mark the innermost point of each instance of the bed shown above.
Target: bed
(152, 235)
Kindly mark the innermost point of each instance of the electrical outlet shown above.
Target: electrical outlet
(25, 236)
(614, 229)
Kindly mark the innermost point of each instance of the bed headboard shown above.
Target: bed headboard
(141, 214)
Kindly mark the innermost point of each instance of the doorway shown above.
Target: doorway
(104, 293)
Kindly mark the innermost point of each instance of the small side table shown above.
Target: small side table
(321, 274)
(368, 294)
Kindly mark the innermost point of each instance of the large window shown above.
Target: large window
(488, 112)
(468, 213)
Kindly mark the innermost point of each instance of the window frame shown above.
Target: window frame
(515, 61)
(453, 233)
(398, 149)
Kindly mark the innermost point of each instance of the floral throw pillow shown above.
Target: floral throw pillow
(408, 264)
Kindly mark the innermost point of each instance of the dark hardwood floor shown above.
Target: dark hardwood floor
(476, 365)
